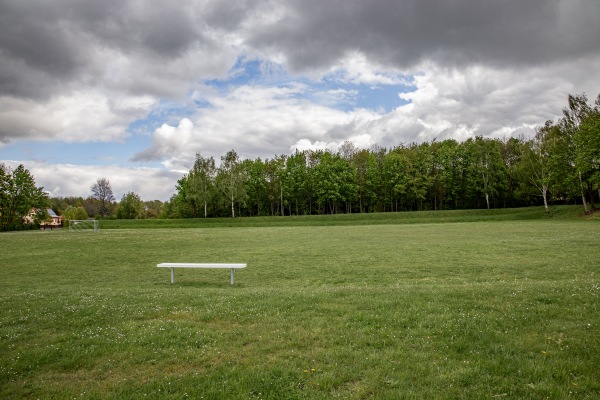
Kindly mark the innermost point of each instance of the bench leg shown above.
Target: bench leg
(172, 275)
(232, 276)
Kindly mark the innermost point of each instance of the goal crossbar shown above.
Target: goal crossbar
(84, 225)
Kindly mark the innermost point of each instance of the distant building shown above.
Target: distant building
(54, 221)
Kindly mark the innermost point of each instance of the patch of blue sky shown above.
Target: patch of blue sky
(166, 111)
(77, 153)
(251, 72)
(382, 95)
(57, 152)
(381, 98)
(331, 91)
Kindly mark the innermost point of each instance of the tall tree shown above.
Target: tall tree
(102, 191)
(376, 177)
(256, 186)
(360, 162)
(334, 182)
(534, 167)
(511, 150)
(420, 173)
(201, 180)
(296, 181)
(131, 206)
(488, 171)
(275, 177)
(577, 111)
(446, 173)
(395, 170)
(18, 196)
(231, 179)
(347, 150)
(587, 148)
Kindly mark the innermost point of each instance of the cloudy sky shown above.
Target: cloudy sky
(131, 90)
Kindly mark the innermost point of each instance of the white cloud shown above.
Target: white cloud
(259, 121)
(355, 68)
(485, 101)
(255, 121)
(65, 180)
(80, 116)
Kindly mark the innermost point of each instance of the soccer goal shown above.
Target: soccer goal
(84, 225)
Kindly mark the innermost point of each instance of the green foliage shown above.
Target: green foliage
(256, 186)
(200, 185)
(230, 180)
(131, 207)
(18, 196)
(334, 181)
(535, 168)
(296, 182)
(60, 204)
(587, 146)
(575, 149)
(395, 177)
(74, 213)
(153, 208)
(488, 172)
(274, 178)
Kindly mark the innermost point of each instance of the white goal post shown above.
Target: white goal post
(84, 225)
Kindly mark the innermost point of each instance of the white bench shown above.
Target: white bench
(232, 267)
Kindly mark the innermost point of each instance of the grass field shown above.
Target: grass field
(501, 309)
(417, 217)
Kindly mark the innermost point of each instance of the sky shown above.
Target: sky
(132, 90)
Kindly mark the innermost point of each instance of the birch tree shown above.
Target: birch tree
(488, 170)
(576, 155)
(230, 179)
(587, 148)
(201, 182)
(535, 164)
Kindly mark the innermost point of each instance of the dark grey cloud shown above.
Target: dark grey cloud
(50, 46)
(228, 15)
(33, 33)
(37, 52)
(156, 28)
(54, 45)
(405, 33)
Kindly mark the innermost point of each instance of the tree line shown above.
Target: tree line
(23, 205)
(101, 204)
(561, 163)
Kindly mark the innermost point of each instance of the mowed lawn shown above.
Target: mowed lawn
(496, 310)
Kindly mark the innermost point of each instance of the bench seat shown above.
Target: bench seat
(232, 267)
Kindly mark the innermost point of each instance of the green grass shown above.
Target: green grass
(418, 217)
(488, 309)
